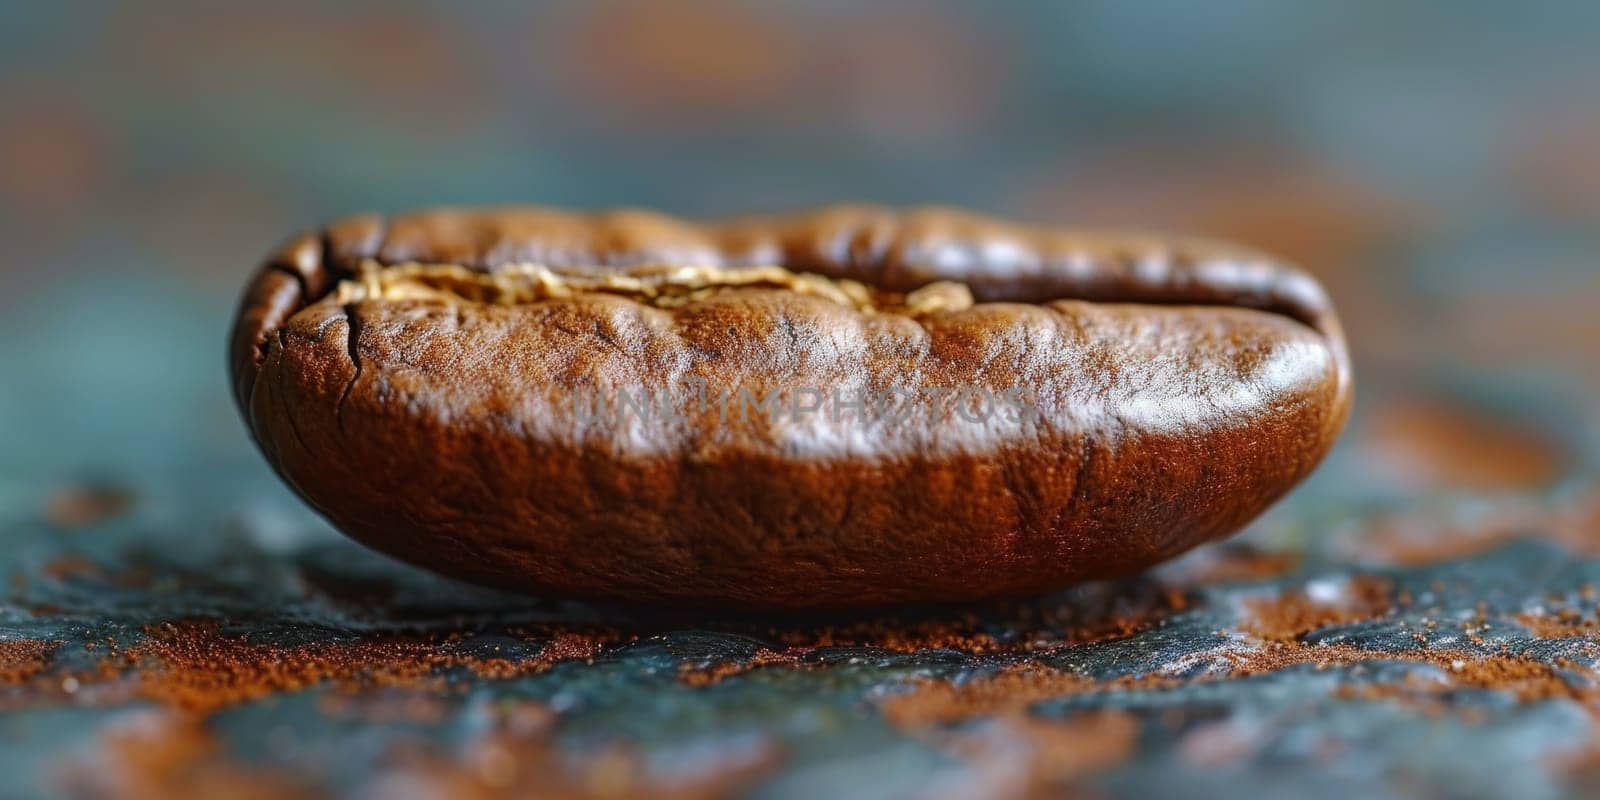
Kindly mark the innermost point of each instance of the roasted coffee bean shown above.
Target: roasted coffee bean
(849, 407)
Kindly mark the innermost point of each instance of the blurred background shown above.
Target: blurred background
(1437, 165)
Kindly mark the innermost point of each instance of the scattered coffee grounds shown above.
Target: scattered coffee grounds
(1565, 623)
(1319, 605)
(1095, 613)
(198, 667)
(21, 659)
(1011, 690)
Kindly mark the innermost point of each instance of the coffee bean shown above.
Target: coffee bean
(849, 407)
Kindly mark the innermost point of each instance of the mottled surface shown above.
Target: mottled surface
(1418, 620)
(1139, 398)
(208, 636)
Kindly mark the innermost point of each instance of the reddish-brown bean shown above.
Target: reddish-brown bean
(422, 381)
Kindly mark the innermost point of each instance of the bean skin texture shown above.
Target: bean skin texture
(1144, 395)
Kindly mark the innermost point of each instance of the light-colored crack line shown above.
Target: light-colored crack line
(661, 286)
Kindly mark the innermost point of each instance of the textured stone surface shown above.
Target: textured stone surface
(175, 643)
